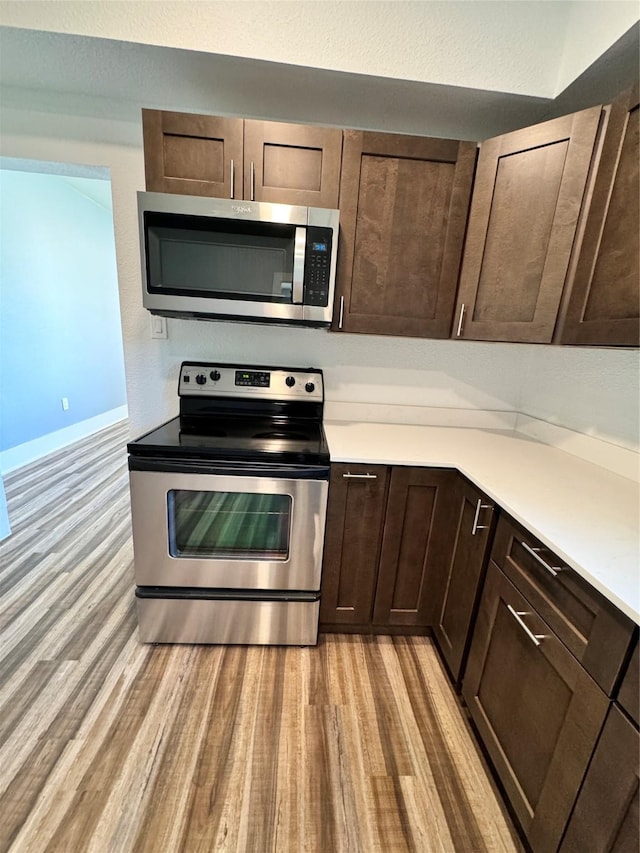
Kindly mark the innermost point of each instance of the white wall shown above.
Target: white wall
(588, 390)
(591, 390)
(591, 28)
(526, 47)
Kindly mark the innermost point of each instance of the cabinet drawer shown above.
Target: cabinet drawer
(592, 628)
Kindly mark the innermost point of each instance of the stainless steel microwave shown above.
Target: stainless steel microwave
(222, 259)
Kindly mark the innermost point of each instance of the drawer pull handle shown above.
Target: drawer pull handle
(477, 526)
(350, 476)
(232, 178)
(517, 614)
(553, 570)
(341, 312)
(253, 182)
(460, 320)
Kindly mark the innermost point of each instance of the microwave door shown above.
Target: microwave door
(298, 266)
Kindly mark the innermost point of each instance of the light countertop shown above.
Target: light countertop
(587, 515)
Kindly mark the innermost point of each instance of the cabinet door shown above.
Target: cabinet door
(403, 209)
(537, 711)
(292, 163)
(192, 154)
(604, 303)
(605, 819)
(629, 693)
(457, 583)
(526, 202)
(355, 518)
(417, 535)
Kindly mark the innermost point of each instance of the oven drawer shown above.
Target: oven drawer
(291, 621)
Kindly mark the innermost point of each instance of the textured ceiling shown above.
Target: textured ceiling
(529, 47)
(403, 89)
(107, 78)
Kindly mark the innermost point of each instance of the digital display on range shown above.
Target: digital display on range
(253, 378)
(319, 247)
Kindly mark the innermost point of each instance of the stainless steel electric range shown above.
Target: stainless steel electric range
(228, 506)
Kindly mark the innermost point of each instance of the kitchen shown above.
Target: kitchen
(446, 376)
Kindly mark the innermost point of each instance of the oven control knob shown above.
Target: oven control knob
(290, 381)
(215, 375)
(309, 387)
(201, 378)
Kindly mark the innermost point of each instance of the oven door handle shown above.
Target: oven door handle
(227, 469)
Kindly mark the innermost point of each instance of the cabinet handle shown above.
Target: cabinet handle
(460, 319)
(341, 317)
(517, 614)
(360, 476)
(553, 570)
(233, 179)
(253, 182)
(477, 526)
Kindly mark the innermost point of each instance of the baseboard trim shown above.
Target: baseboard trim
(30, 451)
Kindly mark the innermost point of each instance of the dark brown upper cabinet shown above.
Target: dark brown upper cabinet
(604, 300)
(527, 198)
(403, 208)
(292, 163)
(236, 158)
(193, 154)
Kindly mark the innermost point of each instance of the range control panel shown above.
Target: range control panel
(205, 379)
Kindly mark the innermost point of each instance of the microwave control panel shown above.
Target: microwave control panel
(317, 270)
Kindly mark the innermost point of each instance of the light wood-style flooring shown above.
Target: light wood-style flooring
(108, 745)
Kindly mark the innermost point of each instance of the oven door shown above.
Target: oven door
(223, 531)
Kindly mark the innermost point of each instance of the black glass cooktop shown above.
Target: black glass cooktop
(228, 438)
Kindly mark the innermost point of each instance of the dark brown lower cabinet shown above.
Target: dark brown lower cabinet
(388, 529)
(629, 693)
(456, 587)
(605, 819)
(355, 520)
(536, 709)
(416, 541)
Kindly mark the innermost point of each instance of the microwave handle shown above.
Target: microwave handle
(298, 266)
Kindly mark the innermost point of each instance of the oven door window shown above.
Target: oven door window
(229, 525)
(202, 257)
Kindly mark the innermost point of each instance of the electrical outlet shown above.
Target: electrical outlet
(65, 403)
